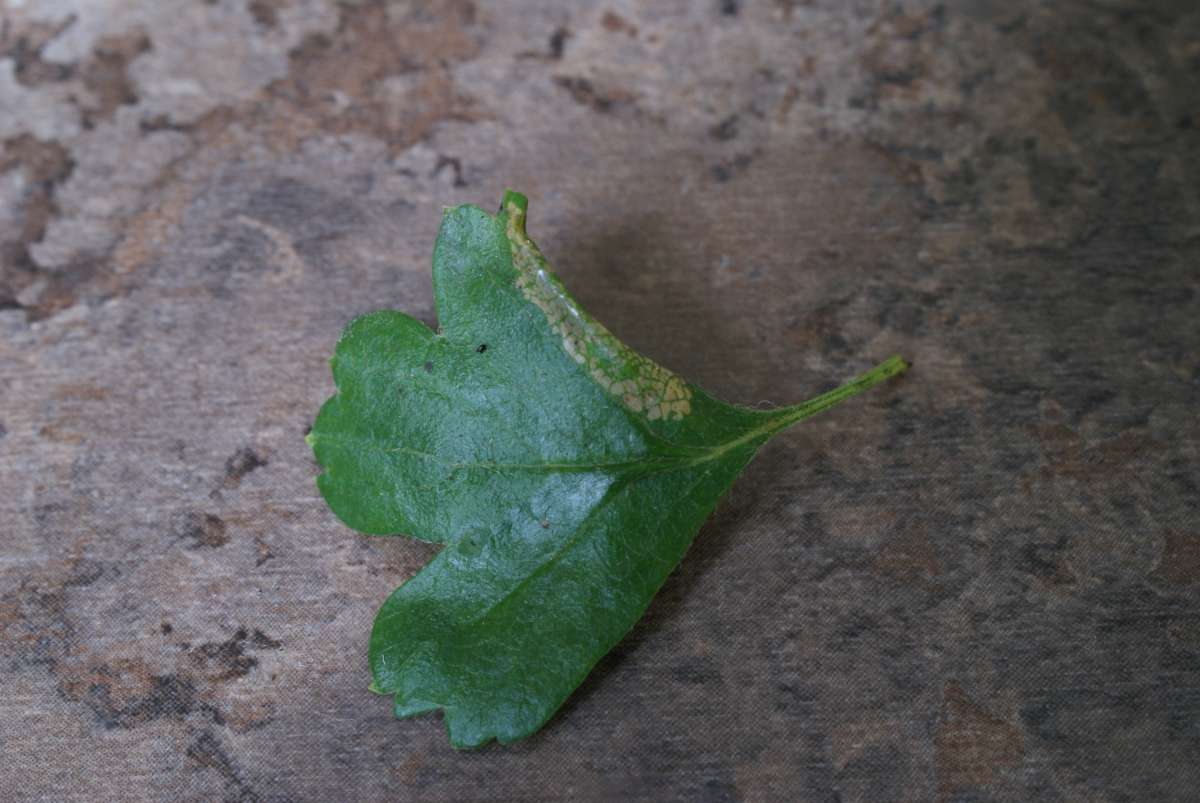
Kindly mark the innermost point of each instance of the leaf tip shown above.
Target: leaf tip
(514, 198)
(514, 205)
(895, 365)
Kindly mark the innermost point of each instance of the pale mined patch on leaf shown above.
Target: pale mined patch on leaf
(641, 384)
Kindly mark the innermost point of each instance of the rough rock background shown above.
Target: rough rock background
(980, 583)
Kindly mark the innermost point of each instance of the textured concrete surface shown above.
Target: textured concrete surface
(981, 583)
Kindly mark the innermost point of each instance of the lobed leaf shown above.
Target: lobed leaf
(565, 473)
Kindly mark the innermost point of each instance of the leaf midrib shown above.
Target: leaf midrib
(775, 421)
(659, 463)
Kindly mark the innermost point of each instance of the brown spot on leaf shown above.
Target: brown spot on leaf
(973, 745)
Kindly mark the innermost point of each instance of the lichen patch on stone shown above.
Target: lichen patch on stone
(642, 385)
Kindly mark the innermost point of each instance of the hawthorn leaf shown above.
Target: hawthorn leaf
(565, 473)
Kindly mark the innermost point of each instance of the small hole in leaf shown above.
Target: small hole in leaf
(482, 348)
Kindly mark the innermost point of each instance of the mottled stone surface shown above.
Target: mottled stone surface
(980, 583)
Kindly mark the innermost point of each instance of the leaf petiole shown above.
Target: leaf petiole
(784, 417)
(892, 366)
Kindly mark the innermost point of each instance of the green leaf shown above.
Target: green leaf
(565, 473)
